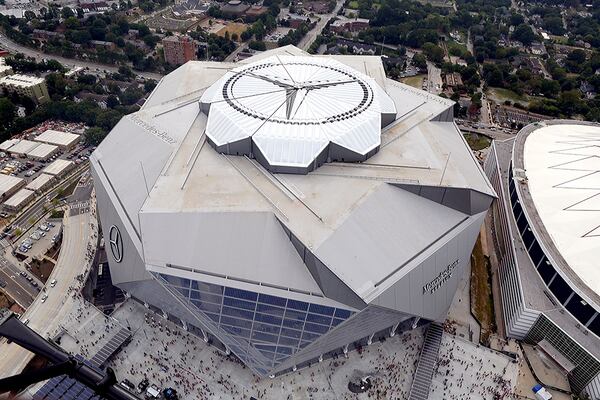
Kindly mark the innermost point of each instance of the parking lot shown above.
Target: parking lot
(38, 239)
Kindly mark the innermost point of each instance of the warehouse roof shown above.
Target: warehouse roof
(8, 182)
(23, 147)
(39, 182)
(57, 137)
(42, 150)
(57, 167)
(19, 198)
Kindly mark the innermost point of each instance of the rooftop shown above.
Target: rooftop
(57, 137)
(39, 182)
(21, 80)
(57, 166)
(23, 146)
(175, 174)
(19, 198)
(8, 182)
(563, 179)
(42, 150)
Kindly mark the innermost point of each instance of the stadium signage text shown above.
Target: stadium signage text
(439, 280)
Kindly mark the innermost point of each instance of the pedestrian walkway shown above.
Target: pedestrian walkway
(429, 353)
(111, 347)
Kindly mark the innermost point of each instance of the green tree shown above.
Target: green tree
(7, 112)
(93, 136)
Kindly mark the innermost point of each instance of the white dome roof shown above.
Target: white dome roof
(292, 108)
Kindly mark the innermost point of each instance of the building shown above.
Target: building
(30, 86)
(263, 231)
(355, 47)
(9, 186)
(64, 140)
(102, 44)
(42, 152)
(179, 49)
(41, 183)
(234, 9)
(5, 69)
(547, 238)
(45, 36)
(453, 79)
(59, 167)
(22, 148)
(7, 144)
(18, 201)
(352, 25)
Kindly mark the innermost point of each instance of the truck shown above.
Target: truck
(541, 393)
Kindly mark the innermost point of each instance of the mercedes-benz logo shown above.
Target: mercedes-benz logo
(116, 243)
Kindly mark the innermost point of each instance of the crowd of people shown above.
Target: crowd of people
(465, 370)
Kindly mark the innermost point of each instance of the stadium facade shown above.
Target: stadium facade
(290, 207)
(547, 238)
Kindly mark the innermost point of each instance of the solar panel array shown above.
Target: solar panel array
(65, 388)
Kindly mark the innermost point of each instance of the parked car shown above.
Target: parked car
(44, 297)
(53, 283)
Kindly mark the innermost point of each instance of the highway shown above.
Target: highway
(17, 286)
(67, 62)
(79, 230)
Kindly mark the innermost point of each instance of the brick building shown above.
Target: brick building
(179, 49)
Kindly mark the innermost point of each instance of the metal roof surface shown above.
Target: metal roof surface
(292, 107)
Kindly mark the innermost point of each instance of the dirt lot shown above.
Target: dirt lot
(234, 27)
(7, 302)
(481, 292)
(41, 269)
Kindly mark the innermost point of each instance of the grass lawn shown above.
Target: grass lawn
(481, 292)
(414, 81)
(501, 95)
(477, 142)
(454, 48)
(353, 5)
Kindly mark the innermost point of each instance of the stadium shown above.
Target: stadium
(290, 207)
(547, 224)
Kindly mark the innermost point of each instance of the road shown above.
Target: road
(17, 286)
(45, 317)
(311, 35)
(67, 62)
(434, 78)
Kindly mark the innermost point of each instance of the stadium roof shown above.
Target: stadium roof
(176, 179)
(293, 107)
(562, 164)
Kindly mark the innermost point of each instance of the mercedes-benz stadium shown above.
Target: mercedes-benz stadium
(290, 207)
(547, 224)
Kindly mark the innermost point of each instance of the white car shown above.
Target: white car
(44, 297)
(53, 283)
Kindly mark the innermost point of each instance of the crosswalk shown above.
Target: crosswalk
(80, 207)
